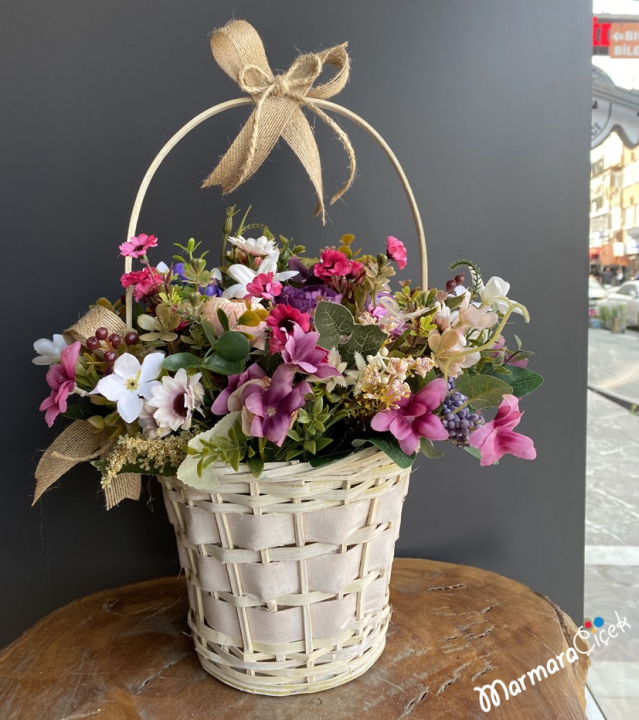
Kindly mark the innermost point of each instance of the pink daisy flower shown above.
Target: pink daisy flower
(396, 251)
(138, 246)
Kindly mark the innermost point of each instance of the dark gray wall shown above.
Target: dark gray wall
(486, 105)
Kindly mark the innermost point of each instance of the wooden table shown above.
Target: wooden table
(124, 654)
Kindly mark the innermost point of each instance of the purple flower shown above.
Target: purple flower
(305, 299)
(274, 408)
(61, 380)
(304, 274)
(302, 353)
(414, 418)
(221, 404)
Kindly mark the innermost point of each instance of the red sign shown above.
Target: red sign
(600, 33)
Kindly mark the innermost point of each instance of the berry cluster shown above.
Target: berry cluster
(459, 424)
(452, 284)
(109, 344)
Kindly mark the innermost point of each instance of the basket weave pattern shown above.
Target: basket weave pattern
(288, 575)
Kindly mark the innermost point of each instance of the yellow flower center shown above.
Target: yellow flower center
(132, 383)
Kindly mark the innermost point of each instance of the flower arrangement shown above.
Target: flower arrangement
(275, 356)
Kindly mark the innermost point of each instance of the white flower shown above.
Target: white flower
(162, 267)
(260, 247)
(174, 400)
(150, 429)
(244, 275)
(495, 293)
(48, 350)
(130, 382)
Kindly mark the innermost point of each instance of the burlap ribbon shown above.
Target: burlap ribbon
(239, 51)
(80, 442)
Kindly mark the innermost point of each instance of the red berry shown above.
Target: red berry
(115, 340)
(131, 338)
(110, 357)
(93, 343)
(451, 285)
(102, 333)
(459, 279)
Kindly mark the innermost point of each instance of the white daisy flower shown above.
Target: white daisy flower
(48, 350)
(261, 247)
(174, 400)
(244, 275)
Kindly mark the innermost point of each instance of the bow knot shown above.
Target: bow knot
(239, 51)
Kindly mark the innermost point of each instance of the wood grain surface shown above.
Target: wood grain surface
(125, 654)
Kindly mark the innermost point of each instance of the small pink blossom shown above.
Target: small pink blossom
(138, 246)
(396, 251)
(61, 380)
(263, 286)
(303, 354)
(334, 264)
(145, 282)
(496, 438)
(282, 320)
(414, 419)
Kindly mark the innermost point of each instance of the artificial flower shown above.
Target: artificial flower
(263, 286)
(150, 429)
(494, 294)
(260, 247)
(61, 380)
(413, 418)
(145, 282)
(234, 309)
(245, 275)
(174, 400)
(225, 401)
(396, 251)
(274, 408)
(305, 299)
(282, 320)
(130, 382)
(496, 438)
(334, 264)
(302, 352)
(48, 350)
(138, 246)
(479, 318)
(447, 344)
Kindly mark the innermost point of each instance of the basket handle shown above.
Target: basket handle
(238, 102)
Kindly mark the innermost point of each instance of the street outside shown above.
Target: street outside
(612, 515)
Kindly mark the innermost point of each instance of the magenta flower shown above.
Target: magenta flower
(414, 418)
(396, 251)
(334, 264)
(274, 408)
(61, 380)
(138, 246)
(221, 404)
(302, 352)
(263, 286)
(145, 282)
(496, 438)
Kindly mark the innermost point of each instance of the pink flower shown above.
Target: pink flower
(500, 345)
(396, 251)
(234, 309)
(414, 418)
(138, 246)
(274, 409)
(61, 380)
(263, 286)
(334, 263)
(303, 354)
(496, 438)
(145, 282)
(283, 319)
(236, 382)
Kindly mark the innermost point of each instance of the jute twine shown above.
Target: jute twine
(239, 51)
(80, 442)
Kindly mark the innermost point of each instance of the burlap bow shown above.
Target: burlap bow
(80, 442)
(239, 51)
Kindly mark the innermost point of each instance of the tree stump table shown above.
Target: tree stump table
(125, 654)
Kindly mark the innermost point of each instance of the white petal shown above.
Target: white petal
(146, 389)
(268, 266)
(44, 360)
(111, 386)
(162, 267)
(126, 366)
(43, 346)
(216, 274)
(235, 291)
(242, 274)
(59, 343)
(285, 275)
(151, 367)
(130, 406)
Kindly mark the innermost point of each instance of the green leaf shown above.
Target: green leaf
(522, 380)
(209, 331)
(256, 466)
(475, 453)
(428, 449)
(233, 346)
(223, 318)
(482, 391)
(219, 365)
(181, 360)
(390, 446)
(335, 323)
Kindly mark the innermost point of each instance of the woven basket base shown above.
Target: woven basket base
(276, 686)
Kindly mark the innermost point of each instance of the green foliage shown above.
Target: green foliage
(217, 364)
(337, 328)
(482, 391)
(181, 360)
(232, 346)
(522, 380)
(475, 274)
(388, 444)
(307, 432)
(429, 450)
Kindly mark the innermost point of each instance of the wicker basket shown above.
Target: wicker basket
(288, 575)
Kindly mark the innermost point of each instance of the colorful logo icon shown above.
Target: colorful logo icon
(594, 625)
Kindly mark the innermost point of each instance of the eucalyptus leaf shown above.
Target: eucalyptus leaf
(429, 450)
(232, 346)
(522, 380)
(335, 322)
(181, 360)
(482, 391)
